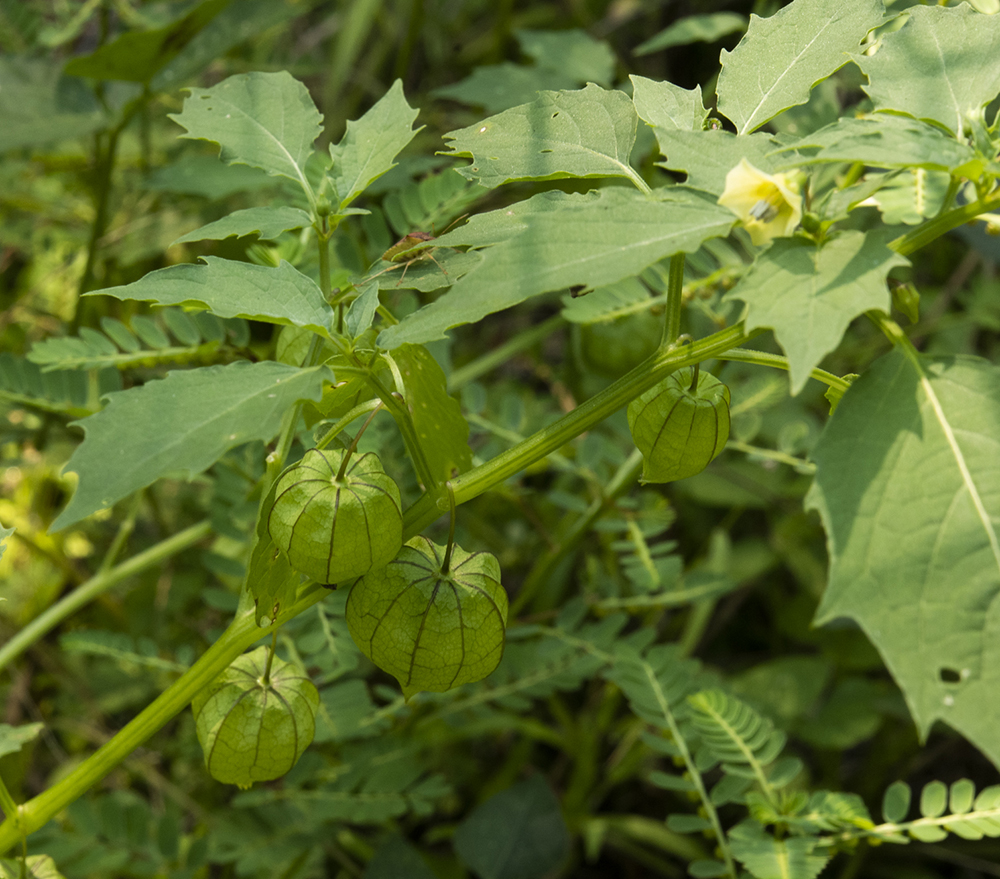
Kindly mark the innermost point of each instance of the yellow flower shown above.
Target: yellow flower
(769, 205)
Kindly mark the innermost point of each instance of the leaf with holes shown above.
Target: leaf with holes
(431, 630)
(254, 724)
(908, 488)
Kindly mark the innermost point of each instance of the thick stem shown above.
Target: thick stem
(675, 300)
(97, 585)
(935, 228)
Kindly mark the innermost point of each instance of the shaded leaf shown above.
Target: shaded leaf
(267, 222)
(708, 156)
(808, 294)
(396, 858)
(943, 64)
(370, 144)
(585, 133)
(668, 106)
(782, 57)
(694, 29)
(908, 488)
(181, 425)
(558, 240)
(13, 738)
(38, 867)
(281, 295)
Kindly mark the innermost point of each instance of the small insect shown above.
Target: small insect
(408, 250)
(764, 211)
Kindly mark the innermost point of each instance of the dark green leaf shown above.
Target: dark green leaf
(267, 222)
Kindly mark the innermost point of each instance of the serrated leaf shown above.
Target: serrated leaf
(769, 858)
(518, 833)
(694, 29)
(559, 240)
(668, 106)
(39, 104)
(266, 222)
(437, 417)
(782, 57)
(137, 56)
(885, 141)
(943, 64)
(370, 145)
(584, 133)
(708, 156)
(266, 120)
(13, 738)
(907, 487)
(281, 295)
(808, 294)
(38, 867)
(180, 424)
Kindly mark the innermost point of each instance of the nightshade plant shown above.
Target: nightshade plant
(905, 474)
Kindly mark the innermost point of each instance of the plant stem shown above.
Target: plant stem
(618, 394)
(97, 585)
(241, 633)
(936, 227)
(763, 358)
(675, 300)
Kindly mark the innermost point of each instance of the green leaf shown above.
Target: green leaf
(708, 156)
(13, 738)
(362, 311)
(4, 534)
(38, 867)
(437, 417)
(498, 87)
(137, 56)
(431, 629)
(731, 732)
(694, 29)
(181, 424)
(942, 65)
(267, 222)
(208, 177)
(584, 133)
(769, 858)
(266, 120)
(573, 52)
(518, 833)
(369, 146)
(808, 294)
(782, 57)
(39, 104)
(933, 799)
(668, 106)
(907, 488)
(896, 802)
(557, 240)
(254, 726)
(911, 197)
(886, 141)
(707, 868)
(396, 858)
(282, 295)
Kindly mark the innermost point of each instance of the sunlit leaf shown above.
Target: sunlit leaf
(668, 106)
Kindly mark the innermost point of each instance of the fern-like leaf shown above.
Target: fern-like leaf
(429, 204)
(943, 809)
(73, 393)
(796, 857)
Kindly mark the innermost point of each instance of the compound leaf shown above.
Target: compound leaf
(908, 488)
(769, 858)
(808, 294)
(782, 57)
(181, 424)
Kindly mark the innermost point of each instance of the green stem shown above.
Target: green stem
(762, 358)
(935, 228)
(492, 359)
(547, 440)
(353, 414)
(97, 585)
(541, 571)
(241, 633)
(7, 802)
(675, 300)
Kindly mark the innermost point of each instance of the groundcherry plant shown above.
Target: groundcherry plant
(904, 475)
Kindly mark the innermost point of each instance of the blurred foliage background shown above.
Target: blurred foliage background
(95, 188)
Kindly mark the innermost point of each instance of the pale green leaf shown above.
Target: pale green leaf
(282, 295)
(4, 534)
(518, 833)
(708, 156)
(608, 303)
(572, 52)
(769, 858)
(362, 311)
(39, 105)
(498, 87)
(782, 57)
(38, 867)
(885, 140)
(809, 294)
(266, 120)
(668, 106)
(180, 425)
(370, 145)
(933, 799)
(908, 488)
(694, 29)
(558, 240)
(943, 64)
(584, 133)
(896, 802)
(13, 738)
(911, 197)
(441, 428)
(267, 222)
